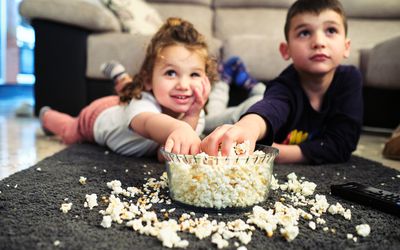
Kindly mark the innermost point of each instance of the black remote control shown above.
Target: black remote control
(377, 198)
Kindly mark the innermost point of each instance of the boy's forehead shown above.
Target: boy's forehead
(313, 17)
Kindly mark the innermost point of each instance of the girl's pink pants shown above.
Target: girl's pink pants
(77, 129)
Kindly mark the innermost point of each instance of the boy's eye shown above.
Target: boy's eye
(304, 33)
(332, 30)
(171, 73)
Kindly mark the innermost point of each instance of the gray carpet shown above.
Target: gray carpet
(30, 200)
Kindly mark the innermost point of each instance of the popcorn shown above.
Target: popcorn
(91, 201)
(290, 232)
(82, 180)
(106, 222)
(220, 182)
(65, 207)
(283, 216)
(312, 225)
(363, 230)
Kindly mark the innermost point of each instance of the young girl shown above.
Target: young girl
(162, 105)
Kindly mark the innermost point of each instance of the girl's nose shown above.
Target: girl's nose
(184, 83)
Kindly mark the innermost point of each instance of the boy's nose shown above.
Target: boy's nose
(319, 40)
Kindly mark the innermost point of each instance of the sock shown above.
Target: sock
(112, 70)
(42, 111)
(228, 69)
(243, 78)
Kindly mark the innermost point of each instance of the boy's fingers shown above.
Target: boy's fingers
(211, 143)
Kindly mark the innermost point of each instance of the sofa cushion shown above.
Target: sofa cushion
(200, 15)
(263, 21)
(89, 14)
(253, 3)
(360, 34)
(199, 2)
(103, 47)
(383, 69)
(198, 12)
(261, 61)
(135, 16)
(388, 9)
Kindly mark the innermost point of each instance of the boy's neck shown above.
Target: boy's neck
(315, 87)
(316, 83)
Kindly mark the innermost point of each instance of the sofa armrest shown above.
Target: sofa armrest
(87, 14)
(384, 64)
(60, 66)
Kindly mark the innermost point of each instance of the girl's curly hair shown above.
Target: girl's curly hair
(175, 31)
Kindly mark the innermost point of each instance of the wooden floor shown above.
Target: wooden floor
(22, 142)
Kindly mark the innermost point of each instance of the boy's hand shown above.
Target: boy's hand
(183, 140)
(251, 128)
(223, 138)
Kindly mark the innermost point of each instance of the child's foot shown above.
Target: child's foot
(41, 115)
(228, 69)
(242, 76)
(112, 70)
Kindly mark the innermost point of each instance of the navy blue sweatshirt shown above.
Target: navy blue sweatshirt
(326, 136)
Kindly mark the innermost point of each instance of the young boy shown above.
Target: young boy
(312, 112)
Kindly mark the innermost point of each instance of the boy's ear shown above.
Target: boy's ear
(347, 44)
(284, 49)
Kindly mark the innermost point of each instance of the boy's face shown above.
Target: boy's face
(316, 43)
(177, 72)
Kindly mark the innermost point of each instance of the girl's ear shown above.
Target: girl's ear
(148, 85)
(284, 49)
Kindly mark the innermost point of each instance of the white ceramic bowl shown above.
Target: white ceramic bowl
(220, 181)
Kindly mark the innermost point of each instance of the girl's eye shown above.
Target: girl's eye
(171, 73)
(195, 74)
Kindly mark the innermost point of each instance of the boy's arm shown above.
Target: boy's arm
(177, 136)
(289, 154)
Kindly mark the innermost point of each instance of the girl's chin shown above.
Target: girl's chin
(174, 112)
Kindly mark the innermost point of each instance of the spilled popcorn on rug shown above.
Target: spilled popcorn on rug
(134, 206)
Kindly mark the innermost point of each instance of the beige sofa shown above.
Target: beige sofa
(73, 38)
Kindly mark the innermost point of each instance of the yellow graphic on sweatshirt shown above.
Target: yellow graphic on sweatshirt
(295, 137)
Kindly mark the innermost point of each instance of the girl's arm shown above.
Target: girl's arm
(177, 136)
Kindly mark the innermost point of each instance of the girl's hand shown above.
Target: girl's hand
(201, 94)
(183, 140)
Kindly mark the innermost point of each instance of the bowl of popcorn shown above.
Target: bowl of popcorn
(239, 180)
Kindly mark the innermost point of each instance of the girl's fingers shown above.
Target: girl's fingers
(169, 144)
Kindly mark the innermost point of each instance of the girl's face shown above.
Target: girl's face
(316, 43)
(177, 72)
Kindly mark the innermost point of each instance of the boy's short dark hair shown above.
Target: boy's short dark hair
(314, 6)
